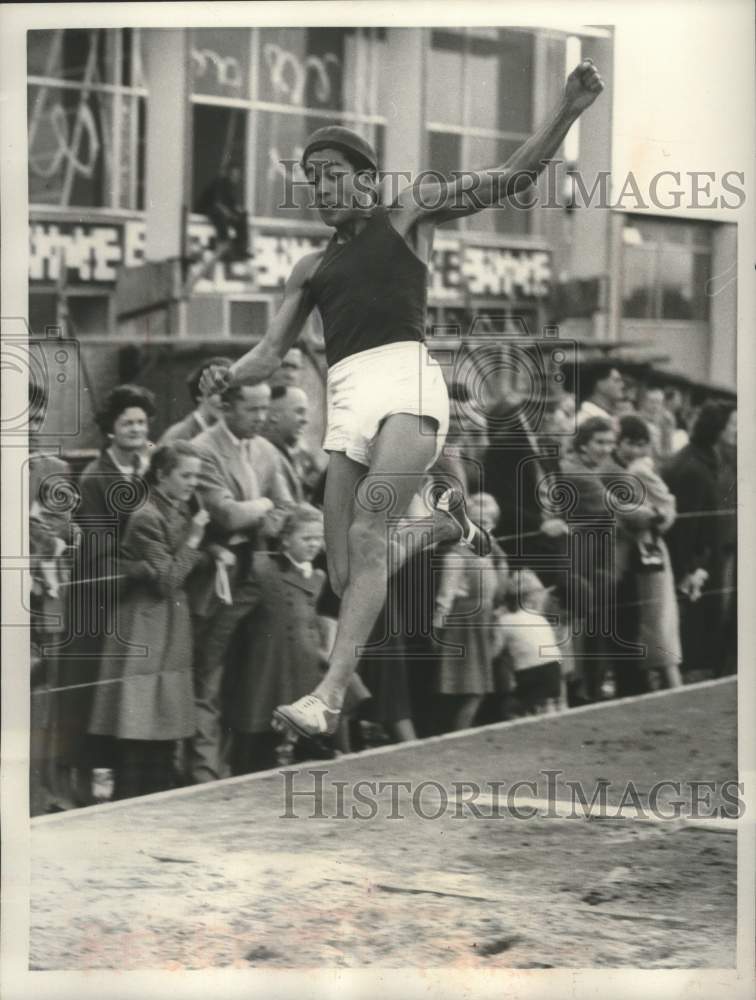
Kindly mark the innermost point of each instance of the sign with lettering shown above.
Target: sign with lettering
(93, 252)
(460, 270)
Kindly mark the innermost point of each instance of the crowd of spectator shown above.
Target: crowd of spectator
(179, 590)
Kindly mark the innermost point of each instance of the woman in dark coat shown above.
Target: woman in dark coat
(111, 488)
(145, 698)
(584, 470)
(694, 540)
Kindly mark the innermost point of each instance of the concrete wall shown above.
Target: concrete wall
(686, 344)
(724, 307)
(706, 352)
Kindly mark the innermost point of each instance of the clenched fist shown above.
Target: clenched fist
(583, 86)
(214, 380)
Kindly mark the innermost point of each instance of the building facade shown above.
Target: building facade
(674, 287)
(127, 128)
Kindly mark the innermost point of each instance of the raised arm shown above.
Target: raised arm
(433, 199)
(259, 363)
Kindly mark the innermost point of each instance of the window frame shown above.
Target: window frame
(252, 104)
(121, 93)
(698, 242)
(467, 225)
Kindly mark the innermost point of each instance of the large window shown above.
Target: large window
(666, 269)
(480, 108)
(86, 118)
(257, 95)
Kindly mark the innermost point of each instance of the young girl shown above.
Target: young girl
(465, 600)
(145, 698)
(282, 650)
(525, 642)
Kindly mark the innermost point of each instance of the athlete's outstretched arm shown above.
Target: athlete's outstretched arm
(438, 200)
(259, 363)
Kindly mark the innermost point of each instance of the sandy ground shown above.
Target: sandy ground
(215, 877)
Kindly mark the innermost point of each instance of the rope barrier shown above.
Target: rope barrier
(121, 680)
(498, 538)
(680, 517)
(113, 578)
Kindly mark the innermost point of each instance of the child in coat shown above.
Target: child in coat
(525, 645)
(285, 643)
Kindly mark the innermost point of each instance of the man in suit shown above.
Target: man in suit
(287, 418)
(206, 408)
(242, 482)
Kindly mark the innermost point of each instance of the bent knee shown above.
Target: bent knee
(368, 540)
(338, 577)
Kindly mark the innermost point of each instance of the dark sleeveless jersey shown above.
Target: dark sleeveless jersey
(370, 291)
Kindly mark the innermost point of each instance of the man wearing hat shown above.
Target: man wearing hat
(388, 408)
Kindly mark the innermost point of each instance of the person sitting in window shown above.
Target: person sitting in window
(222, 202)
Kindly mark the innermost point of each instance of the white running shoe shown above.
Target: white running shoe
(308, 716)
(452, 502)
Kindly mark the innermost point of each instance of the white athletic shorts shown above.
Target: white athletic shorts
(365, 388)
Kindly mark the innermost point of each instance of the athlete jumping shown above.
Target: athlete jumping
(388, 408)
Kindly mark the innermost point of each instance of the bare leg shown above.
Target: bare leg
(380, 499)
(404, 448)
(341, 484)
(342, 481)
